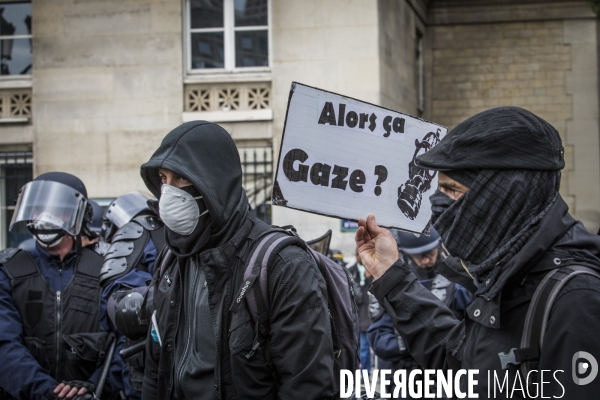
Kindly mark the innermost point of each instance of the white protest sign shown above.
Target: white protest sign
(346, 158)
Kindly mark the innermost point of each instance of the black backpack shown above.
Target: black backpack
(538, 313)
(340, 295)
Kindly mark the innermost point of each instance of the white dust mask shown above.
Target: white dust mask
(179, 210)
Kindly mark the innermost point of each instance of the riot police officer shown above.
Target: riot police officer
(136, 235)
(51, 341)
(423, 255)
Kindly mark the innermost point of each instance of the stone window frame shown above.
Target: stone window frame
(226, 95)
(230, 70)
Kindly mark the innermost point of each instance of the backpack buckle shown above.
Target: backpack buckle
(509, 358)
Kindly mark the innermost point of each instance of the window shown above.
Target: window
(15, 38)
(16, 169)
(227, 35)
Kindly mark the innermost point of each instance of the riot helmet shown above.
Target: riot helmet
(123, 209)
(422, 249)
(410, 243)
(53, 205)
(95, 227)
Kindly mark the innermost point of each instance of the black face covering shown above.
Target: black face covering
(439, 204)
(492, 221)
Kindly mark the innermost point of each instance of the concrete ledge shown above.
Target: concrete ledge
(229, 116)
(474, 12)
(228, 77)
(16, 120)
(15, 82)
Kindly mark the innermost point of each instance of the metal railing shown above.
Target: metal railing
(257, 178)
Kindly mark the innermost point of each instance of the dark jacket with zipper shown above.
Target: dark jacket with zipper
(50, 321)
(494, 322)
(203, 340)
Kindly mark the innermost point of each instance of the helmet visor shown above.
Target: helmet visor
(52, 203)
(125, 207)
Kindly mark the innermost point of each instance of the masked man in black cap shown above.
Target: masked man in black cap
(51, 339)
(499, 211)
(204, 344)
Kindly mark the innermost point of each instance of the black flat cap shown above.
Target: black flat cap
(499, 138)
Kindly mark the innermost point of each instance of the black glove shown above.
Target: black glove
(90, 386)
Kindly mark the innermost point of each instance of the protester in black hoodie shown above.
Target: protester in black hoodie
(499, 211)
(200, 347)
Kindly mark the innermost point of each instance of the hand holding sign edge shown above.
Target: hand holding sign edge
(377, 247)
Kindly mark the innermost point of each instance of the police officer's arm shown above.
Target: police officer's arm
(20, 374)
(421, 318)
(300, 342)
(383, 340)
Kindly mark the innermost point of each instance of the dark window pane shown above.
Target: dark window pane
(15, 57)
(252, 48)
(206, 14)
(15, 177)
(251, 13)
(207, 50)
(15, 19)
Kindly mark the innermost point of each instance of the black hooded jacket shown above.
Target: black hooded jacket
(199, 331)
(437, 340)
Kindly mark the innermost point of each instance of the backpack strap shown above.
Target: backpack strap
(254, 289)
(538, 314)
(258, 299)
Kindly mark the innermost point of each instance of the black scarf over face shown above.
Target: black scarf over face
(492, 221)
(184, 246)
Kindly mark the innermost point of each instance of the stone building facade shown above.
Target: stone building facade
(109, 78)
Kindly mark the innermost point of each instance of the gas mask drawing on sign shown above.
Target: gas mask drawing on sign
(419, 179)
(46, 229)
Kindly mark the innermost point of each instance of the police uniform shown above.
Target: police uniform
(50, 308)
(136, 235)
